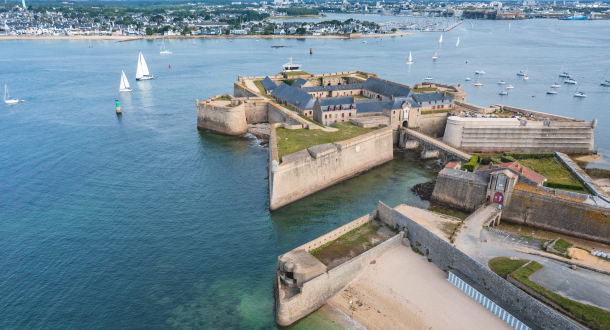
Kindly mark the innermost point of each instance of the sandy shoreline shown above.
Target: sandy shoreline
(402, 290)
(130, 38)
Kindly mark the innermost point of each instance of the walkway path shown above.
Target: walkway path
(438, 144)
(468, 239)
(250, 84)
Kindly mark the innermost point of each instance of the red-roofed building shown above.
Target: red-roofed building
(455, 166)
(520, 169)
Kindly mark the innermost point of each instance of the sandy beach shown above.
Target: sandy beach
(130, 38)
(402, 290)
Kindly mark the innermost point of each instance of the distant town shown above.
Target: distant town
(261, 18)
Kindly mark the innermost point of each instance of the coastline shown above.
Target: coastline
(252, 36)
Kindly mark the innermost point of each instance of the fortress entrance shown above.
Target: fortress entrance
(498, 198)
(405, 124)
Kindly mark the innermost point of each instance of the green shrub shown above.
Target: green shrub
(472, 163)
(289, 82)
(562, 245)
(558, 185)
(507, 159)
(529, 155)
(485, 160)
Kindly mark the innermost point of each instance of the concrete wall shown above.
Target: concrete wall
(431, 125)
(496, 135)
(221, 119)
(278, 114)
(558, 211)
(317, 292)
(308, 171)
(447, 257)
(459, 189)
(386, 214)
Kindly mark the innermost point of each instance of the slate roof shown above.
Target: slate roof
(374, 105)
(345, 101)
(294, 96)
(268, 84)
(299, 83)
(386, 88)
(331, 88)
(431, 97)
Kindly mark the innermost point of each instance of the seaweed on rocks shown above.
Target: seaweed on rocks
(424, 190)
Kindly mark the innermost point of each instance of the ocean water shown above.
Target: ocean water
(144, 222)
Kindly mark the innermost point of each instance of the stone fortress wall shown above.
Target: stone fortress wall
(307, 171)
(459, 189)
(291, 306)
(446, 257)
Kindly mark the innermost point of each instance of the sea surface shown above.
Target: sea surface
(144, 222)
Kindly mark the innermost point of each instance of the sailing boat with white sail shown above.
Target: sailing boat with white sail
(163, 50)
(580, 94)
(410, 61)
(435, 56)
(605, 82)
(458, 43)
(440, 41)
(124, 86)
(478, 83)
(142, 71)
(7, 97)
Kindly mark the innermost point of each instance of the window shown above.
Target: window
(429, 103)
(433, 107)
(325, 116)
(342, 115)
(350, 114)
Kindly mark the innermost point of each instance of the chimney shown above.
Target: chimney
(391, 97)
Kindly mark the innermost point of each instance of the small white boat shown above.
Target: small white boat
(410, 61)
(124, 86)
(520, 74)
(580, 94)
(501, 82)
(458, 42)
(526, 78)
(7, 97)
(364, 42)
(564, 75)
(570, 81)
(288, 67)
(440, 41)
(478, 84)
(428, 78)
(142, 70)
(163, 50)
(510, 87)
(467, 79)
(551, 92)
(503, 93)
(479, 72)
(471, 25)
(435, 56)
(606, 83)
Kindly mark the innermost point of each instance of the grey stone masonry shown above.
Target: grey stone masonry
(582, 176)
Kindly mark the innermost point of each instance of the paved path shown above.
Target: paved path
(250, 84)
(481, 244)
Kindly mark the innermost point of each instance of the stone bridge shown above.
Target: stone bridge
(432, 148)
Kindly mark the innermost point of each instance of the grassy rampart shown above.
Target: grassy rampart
(505, 265)
(290, 141)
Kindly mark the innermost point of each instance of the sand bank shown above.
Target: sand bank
(402, 290)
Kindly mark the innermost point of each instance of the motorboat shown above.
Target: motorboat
(288, 67)
(510, 87)
(428, 78)
(564, 75)
(501, 82)
(570, 81)
(467, 79)
(479, 72)
(551, 92)
(142, 70)
(520, 73)
(503, 93)
(580, 94)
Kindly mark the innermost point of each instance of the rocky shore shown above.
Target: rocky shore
(424, 190)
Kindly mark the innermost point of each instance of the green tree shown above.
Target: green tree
(393, 29)
(301, 31)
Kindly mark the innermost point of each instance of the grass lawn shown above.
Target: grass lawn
(424, 89)
(296, 73)
(591, 316)
(562, 245)
(361, 97)
(505, 265)
(549, 169)
(291, 141)
(361, 75)
(262, 89)
(222, 98)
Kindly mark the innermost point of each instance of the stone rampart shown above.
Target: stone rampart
(473, 107)
(582, 176)
(229, 119)
(335, 233)
(318, 291)
(386, 214)
(459, 189)
(279, 114)
(256, 111)
(432, 125)
(240, 90)
(447, 257)
(308, 171)
(534, 113)
(558, 211)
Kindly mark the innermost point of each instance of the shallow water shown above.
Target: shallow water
(145, 222)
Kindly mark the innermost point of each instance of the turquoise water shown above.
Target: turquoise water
(143, 222)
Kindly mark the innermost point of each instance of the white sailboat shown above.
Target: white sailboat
(124, 86)
(605, 82)
(440, 41)
(458, 42)
(509, 25)
(410, 61)
(7, 97)
(580, 94)
(428, 77)
(555, 84)
(163, 50)
(525, 77)
(509, 85)
(435, 56)
(142, 71)
(478, 83)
